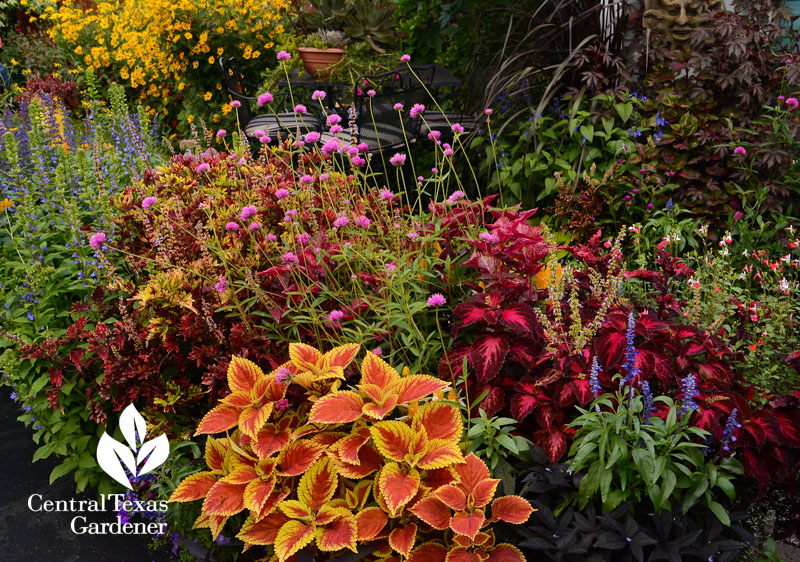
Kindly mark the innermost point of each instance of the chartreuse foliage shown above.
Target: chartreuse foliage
(317, 466)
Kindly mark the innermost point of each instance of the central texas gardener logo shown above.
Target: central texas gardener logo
(112, 455)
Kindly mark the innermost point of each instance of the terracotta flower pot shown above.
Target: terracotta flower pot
(317, 62)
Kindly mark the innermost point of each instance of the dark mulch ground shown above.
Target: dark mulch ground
(36, 536)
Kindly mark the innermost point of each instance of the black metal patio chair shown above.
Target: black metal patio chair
(280, 123)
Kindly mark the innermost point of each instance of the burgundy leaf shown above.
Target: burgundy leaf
(487, 356)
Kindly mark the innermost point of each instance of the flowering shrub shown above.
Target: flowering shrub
(166, 51)
(317, 466)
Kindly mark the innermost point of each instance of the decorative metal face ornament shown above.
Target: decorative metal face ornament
(677, 19)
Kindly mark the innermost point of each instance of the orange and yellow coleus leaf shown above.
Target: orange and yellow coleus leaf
(291, 537)
(512, 509)
(311, 366)
(371, 522)
(402, 539)
(318, 484)
(396, 487)
(262, 532)
(194, 487)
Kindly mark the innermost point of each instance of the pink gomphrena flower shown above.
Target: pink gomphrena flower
(97, 240)
(738, 215)
(264, 99)
(371, 93)
(455, 196)
(335, 129)
(341, 221)
(489, 238)
(362, 221)
(236, 103)
(304, 238)
(412, 235)
(352, 150)
(397, 160)
(231, 227)
(248, 212)
(203, 168)
(391, 266)
(457, 128)
(271, 237)
(259, 133)
(148, 202)
(386, 194)
(281, 193)
(434, 170)
(221, 133)
(398, 107)
(488, 112)
(324, 177)
(282, 404)
(289, 257)
(264, 139)
(417, 109)
(306, 179)
(333, 119)
(254, 225)
(331, 146)
(740, 150)
(434, 135)
(405, 58)
(357, 161)
(437, 299)
(318, 95)
(448, 151)
(311, 137)
(377, 351)
(283, 375)
(362, 147)
(781, 98)
(792, 102)
(300, 108)
(221, 285)
(283, 55)
(335, 315)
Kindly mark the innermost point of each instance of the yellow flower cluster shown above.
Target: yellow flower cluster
(167, 49)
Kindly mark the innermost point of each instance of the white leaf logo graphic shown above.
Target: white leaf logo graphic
(112, 455)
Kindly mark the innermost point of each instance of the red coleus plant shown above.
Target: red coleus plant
(323, 468)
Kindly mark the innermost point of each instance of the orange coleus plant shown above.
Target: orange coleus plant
(315, 466)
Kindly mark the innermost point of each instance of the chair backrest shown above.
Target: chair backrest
(395, 86)
(234, 82)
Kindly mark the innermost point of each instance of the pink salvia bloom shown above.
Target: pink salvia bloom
(313, 136)
(457, 128)
(437, 299)
(283, 55)
(397, 160)
(236, 103)
(232, 227)
(148, 202)
(221, 133)
(416, 110)
(740, 150)
(97, 240)
(405, 58)
(248, 212)
(264, 99)
(318, 95)
(221, 285)
(300, 108)
(203, 168)
(398, 107)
